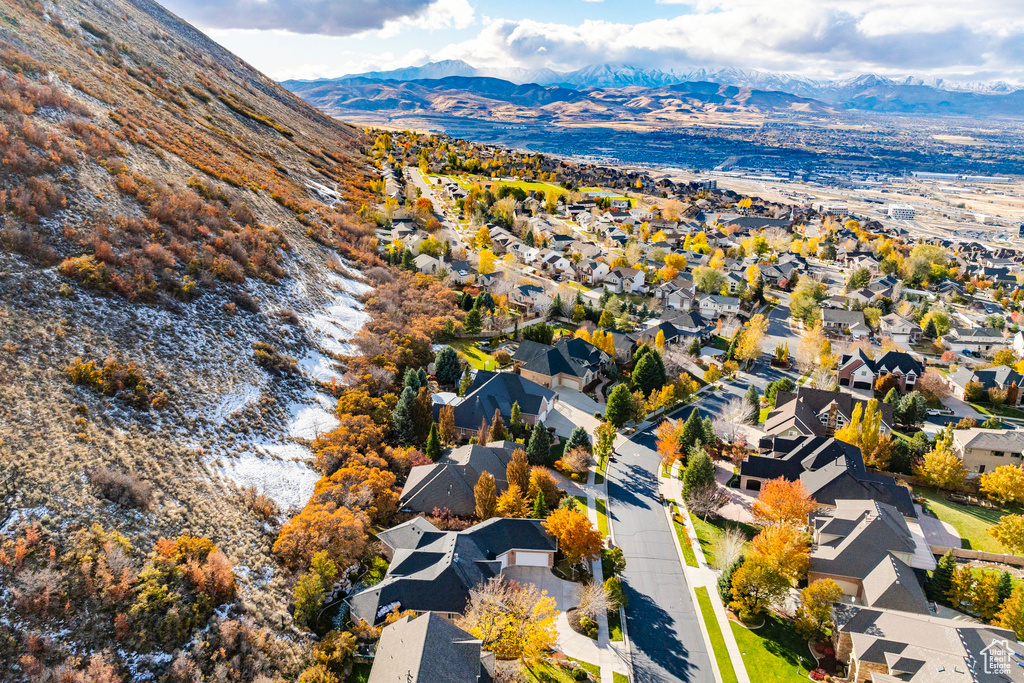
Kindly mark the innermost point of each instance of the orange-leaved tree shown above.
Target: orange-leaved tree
(783, 502)
(577, 538)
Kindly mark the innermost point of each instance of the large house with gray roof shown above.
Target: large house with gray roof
(448, 483)
(492, 391)
(891, 646)
(983, 450)
(434, 571)
(817, 412)
(995, 377)
(871, 552)
(858, 371)
(427, 649)
(573, 363)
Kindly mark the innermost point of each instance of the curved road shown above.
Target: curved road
(664, 628)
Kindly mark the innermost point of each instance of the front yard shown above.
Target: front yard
(971, 522)
(709, 534)
(480, 360)
(714, 630)
(774, 652)
(1000, 410)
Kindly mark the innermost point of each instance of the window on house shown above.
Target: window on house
(998, 454)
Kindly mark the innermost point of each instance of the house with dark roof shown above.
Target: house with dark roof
(830, 470)
(817, 412)
(434, 571)
(858, 371)
(891, 646)
(427, 649)
(573, 363)
(995, 377)
(448, 483)
(871, 552)
(492, 391)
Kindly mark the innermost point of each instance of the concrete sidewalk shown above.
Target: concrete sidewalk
(704, 575)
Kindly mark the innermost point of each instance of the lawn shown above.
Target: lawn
(684, 543)
(710, 531)
(1002, 411)
(971, 522)
(602, 468)
(774, 652)
(555, 452)
(602, 516)
(545, 671)
(720, 343)
(614, 626)
(619, 678)
(714, 630)
(360, 673)
(481, 360)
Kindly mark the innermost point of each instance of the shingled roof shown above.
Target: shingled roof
(427, 649)
(449, 482)
(801, 409)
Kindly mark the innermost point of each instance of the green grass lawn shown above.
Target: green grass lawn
(614, 626)
(555, 452)
(481, 360)
(602, 469)
(619, 678)
(774, 653)
(971, 522)
(714, 630)
(710, 531)
(602, 516)
(544, 671)
(684, 543)
(1002, 411)
(720, 342)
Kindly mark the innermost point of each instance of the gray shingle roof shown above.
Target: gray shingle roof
(497, 390)
(427, 649)
(800, 409)
(449, 482)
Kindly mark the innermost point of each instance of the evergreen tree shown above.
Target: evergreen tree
(646, 376)
(578, 438)
(540, 508)
(467, 381)
(473, 322)
(730, 354)
(538, 451)
(892, 398)
(620, 406)
(515, 420)
(578, 301)
(407, 261)
(753, 400)
(422, 376)
(411, 379)
(1005, 586)
(498, 432)
(433, 449)
(447, 249)
(556, 305)
(693, 432)
(699, 472)
(930, 330)
(484, 301)
(422, 415)
(402, 421)
(942, 578)
(446, 367)
(466, 303)
(694, 349)
(708, 432)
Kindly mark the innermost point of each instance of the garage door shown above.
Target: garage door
(753, 485)
(862, 385)
(844, 381)
(524, 559)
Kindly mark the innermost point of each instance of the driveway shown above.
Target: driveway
(665, 634)
(571, 410)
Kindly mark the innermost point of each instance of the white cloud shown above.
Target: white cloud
(813, 37)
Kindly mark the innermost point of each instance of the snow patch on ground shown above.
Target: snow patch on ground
(287, 480)
(236, 401)
(349, 285)
(24, 515)
(312, 417)
(319, 367)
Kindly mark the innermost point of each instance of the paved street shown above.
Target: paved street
(664, 628)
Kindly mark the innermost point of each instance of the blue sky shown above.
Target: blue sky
(979, 40)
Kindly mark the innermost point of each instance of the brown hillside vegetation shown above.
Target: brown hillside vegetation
(179, 244)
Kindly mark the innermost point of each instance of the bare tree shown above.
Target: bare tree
(729, 547)
(736, 412)
(706, 500)
(594, 599)
(676, 359)
(823, 378)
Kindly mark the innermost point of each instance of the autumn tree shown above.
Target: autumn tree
(814, 616)
(357, 438)
(1009, 531)
(357, 486)
(1004, 484)
(784, 547)
(511, 503)
(514, 620)
(783, 502)
(942, 467)
(485, 494)
(338, 530)
(1011, 614)
(577, 538)
(518, 470)
(749, 346)
(757, 585)
(541, 481)
(313, 586)
(668, 433)
(604, 437)
(446, 425)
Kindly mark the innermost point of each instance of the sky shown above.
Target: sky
(975, 40)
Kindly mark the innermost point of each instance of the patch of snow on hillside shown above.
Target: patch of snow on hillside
(349, 285)
(288, 481)
(236, 401)
(311, 417)
(338, 322)
(24, 515)
(319, 367)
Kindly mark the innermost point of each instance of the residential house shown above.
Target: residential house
(995, 377)
(983, 450)
(871, 552)
(858, 371)
(448, 483)
(492, 391)
(524, 252)
(899, 329)
(624, 279)
(461, 272)
(434, 571)
(553, 262)
(531, 298)
(591, 272)
(572, 363)
(841, 322)
(425, 263)
(677, 293)
(817, 412)
(829, 469)
(976, 339)
(715, 306)
(892, 646)
(427, 649)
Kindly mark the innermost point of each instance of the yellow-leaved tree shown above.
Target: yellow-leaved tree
(514, 620)
(941, 467)
(1004, 484)
(783, 502)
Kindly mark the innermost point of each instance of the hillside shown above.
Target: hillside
(500, 100)
(180, 255)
